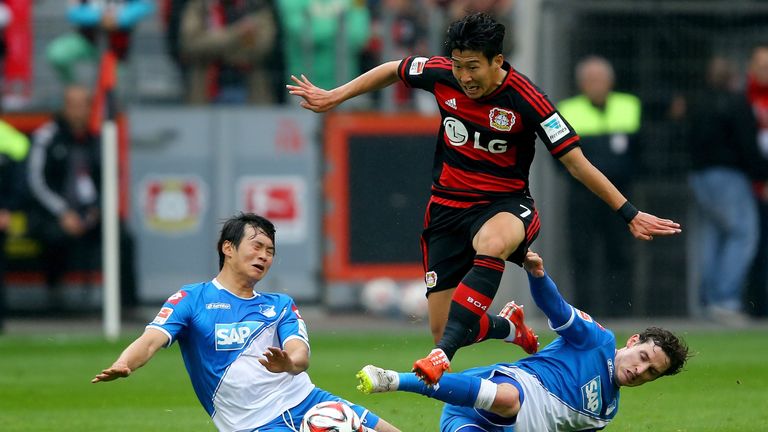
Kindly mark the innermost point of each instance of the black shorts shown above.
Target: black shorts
(450, 226)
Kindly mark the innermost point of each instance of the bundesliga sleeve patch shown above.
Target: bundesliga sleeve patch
(555, 127)
(163, 316)
(417, 66)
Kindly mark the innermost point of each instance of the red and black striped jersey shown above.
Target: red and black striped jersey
(485, 146)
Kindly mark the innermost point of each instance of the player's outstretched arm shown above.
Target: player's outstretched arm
(544, 291)
(136, 355)
(643, 226)
(320, 100)
(294, 359)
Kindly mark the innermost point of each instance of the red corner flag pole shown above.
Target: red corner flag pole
(104, 119)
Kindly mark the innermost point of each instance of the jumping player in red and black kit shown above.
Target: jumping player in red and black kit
(481, 212)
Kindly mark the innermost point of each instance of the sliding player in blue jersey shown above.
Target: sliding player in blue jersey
(246, 352)
(570, 385)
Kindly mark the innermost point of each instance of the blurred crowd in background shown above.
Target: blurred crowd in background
(672, 104)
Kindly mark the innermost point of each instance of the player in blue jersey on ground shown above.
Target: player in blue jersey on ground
(246, 351)
(481, 213)
(572, 384)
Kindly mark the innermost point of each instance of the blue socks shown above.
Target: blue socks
(455, 389)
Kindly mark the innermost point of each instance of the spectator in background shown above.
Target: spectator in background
(724, 157)
(171, 12)
(409, 33)
(64, 178)
(229, 46)
(608, 123)
(14, 146)
(114, 19)
(324, 39)
(757, 93)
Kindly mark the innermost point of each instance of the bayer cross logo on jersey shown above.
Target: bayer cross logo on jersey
(502, 119)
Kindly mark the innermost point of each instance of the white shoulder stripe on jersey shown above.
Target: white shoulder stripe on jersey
(567, 324)
(170, 338)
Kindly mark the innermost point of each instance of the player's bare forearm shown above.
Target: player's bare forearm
(321, 100)
(582, 170)
(136, 355)
(644, 225)
(377, 78)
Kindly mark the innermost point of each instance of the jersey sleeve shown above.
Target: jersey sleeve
(540, 113)
(292, 326)
(423, 72)
(576, 327)
(174, 317)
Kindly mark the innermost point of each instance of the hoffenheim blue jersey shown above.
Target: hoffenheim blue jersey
(222, 336)
(570, 383)
(577, 367)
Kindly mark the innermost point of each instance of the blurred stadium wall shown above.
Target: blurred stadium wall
(658, 48)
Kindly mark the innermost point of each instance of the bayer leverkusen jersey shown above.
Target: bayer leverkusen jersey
(485, 146)
(222, 336)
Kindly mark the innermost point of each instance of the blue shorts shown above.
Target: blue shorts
(291, 419)
(468, 419)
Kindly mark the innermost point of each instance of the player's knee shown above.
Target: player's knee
(507, 401)
(496, 246)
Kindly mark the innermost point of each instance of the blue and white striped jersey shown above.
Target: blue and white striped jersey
(222, 336)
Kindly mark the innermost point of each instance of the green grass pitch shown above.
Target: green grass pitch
(45, 384)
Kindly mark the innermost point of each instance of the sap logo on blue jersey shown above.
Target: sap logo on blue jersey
(591, 396)
(230, 337)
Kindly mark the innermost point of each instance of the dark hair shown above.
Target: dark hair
(675, 348)
(761, 44)
(234, 230)
(476, 32)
